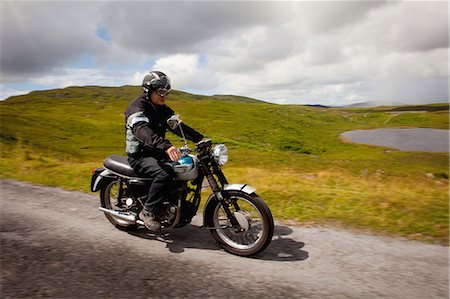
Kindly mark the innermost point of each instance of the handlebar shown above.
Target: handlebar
(185, 150)
(204, 143)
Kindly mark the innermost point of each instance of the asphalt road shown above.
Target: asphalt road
(55, 243)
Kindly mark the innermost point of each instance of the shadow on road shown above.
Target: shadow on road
(282, 248)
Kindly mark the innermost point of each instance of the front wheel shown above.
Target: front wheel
(255, 223)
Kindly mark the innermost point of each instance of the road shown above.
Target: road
(55, 243)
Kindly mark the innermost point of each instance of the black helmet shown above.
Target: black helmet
(156, 80)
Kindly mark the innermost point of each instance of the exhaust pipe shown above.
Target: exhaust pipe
(125, 216)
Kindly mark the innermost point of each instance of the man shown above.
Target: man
(146, 146)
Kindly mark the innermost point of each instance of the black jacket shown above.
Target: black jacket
(146, 126)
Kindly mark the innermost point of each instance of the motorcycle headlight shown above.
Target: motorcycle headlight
(220, 153)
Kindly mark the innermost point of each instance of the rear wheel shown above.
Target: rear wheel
(255, 229)
(109, 199)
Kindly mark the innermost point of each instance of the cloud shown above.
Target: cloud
(290, 52)
(36, 37)
(186, 72)
(327, 17)
(412, 90)
(339, 65)
(409, 27)
(63, 77)
(172, 27)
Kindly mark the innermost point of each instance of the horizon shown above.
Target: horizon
(375, 103)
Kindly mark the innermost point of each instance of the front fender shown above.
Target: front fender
(240, 187)
(98, 179)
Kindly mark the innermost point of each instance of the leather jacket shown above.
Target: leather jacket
(146, 126)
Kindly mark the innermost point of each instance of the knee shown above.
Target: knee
(164, 175)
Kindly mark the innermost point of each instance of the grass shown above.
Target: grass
(292, 154)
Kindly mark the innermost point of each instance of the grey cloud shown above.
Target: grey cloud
(422, 27)
(313, 49)
(172, 27)
(431, 90)
(328, 16)
(38, 36)
(404, 27)
(157, 28)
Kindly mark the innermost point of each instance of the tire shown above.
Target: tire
(108, 198)
(253, 215)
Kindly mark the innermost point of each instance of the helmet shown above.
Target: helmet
(156, 80)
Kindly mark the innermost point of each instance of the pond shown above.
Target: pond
(418, 139)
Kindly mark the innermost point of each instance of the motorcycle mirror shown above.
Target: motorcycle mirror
(174, 121)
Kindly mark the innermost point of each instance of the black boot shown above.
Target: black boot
(149, 220)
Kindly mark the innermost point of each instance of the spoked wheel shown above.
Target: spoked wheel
(109, 199)
(255, 229)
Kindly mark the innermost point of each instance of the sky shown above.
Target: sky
(285, 52)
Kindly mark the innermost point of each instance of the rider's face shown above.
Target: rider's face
(157, 99)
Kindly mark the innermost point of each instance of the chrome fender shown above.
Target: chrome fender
(240, 187)
(104, 176)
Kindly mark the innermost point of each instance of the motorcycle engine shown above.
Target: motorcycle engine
(171, 209)
(168, 214)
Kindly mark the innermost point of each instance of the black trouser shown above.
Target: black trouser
(161, 174)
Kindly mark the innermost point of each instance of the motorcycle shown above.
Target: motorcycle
(238, 219)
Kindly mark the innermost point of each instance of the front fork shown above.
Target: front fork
(226, 205)
(209, 169)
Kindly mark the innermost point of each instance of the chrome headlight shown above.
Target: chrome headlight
(220, 153)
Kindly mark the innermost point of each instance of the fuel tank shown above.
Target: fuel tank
(186, 168)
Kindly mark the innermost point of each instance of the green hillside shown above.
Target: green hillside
(292, 154)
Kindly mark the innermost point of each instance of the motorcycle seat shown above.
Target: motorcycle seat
(119, 164)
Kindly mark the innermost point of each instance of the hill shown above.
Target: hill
(232, 98)
(291, 154)
(371, 104)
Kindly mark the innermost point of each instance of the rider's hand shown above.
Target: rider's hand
(173, 153)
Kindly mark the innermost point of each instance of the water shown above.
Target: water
(419, 139)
